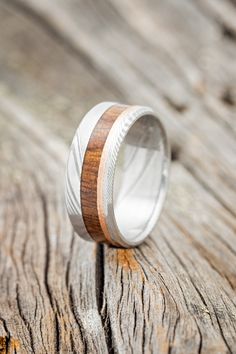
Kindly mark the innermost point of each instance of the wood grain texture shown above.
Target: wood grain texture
(89, 175)
(180, 103)
(176, 292)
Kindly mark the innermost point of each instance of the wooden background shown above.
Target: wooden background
(177, 292)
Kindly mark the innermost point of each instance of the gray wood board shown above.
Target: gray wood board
(176, 292)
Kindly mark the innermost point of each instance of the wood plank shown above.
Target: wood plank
(173, 283)
(47, 304)
(187, 119)
(174, 293)
(46, 77)
(171, 42)
(200, 49)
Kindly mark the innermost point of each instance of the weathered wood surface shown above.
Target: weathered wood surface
(176, 292)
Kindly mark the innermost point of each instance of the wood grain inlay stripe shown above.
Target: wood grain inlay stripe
(89, 175)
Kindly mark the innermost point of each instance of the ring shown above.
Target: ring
(117, 174)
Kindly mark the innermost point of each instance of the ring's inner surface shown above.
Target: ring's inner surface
(138, 178)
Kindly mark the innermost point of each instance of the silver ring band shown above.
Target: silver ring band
(117, 174)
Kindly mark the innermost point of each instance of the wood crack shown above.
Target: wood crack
(99, 268)
(221, 330)
(57, 334)
(24, 319)
(100, 297)
(67, 273)
(77, 319)
(195, 321)
(47, 248)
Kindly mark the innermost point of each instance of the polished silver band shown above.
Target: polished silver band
(132, 178)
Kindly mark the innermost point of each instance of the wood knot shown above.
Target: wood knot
(179, 107)
(228, 32)
(228, 97)
(175, 152)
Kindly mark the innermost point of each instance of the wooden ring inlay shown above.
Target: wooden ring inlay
(90, 168)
